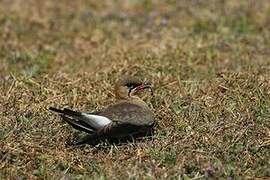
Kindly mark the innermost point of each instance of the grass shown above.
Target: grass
(209, 61)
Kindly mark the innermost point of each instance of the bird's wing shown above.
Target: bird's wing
(82, 120)
(78, 125)
(128, 113)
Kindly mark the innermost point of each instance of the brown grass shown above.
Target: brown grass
(209, 61)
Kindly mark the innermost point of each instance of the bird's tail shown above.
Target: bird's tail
(74, 119)
(66, 111)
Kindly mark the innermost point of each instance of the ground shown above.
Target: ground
(208, 60)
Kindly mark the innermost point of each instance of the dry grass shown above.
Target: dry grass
(209, 61)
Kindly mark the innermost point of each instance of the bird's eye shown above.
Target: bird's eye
(131, 85)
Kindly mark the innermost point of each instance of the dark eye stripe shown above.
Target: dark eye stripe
(132, 85)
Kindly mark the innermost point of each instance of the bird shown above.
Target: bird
(128, 119)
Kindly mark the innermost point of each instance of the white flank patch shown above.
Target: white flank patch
(96, 121)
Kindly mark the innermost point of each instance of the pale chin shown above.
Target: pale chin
(134, 93)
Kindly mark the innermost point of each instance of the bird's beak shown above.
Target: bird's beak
(145, 86)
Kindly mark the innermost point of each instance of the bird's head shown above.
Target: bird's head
(128, 87)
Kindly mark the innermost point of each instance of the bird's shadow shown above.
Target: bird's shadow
(104, 143)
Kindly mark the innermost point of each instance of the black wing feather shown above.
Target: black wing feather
(74, 120)
(78, 124)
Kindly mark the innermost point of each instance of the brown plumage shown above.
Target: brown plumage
(129, 118)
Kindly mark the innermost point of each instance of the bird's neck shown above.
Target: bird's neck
(134, 100)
